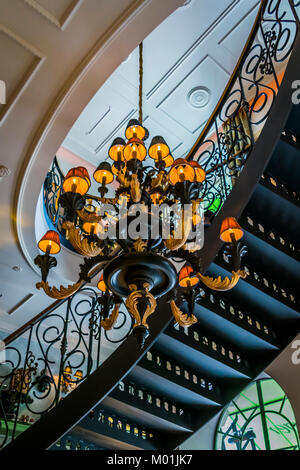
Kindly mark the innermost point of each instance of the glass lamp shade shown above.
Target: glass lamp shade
(158, 148)
(101, 284)
(181, 170)
(116, 149)
(77, 180)
(92, 228)
(50, 243)
(103, 174)
(135, 148)
(135, 130)
(200, 174)
(229, 229)
(185, 278)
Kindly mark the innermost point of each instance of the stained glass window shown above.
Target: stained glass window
(260, 418)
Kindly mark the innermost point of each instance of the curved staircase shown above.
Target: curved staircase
(158, 397)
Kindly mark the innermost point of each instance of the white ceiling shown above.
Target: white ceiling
(188, 61)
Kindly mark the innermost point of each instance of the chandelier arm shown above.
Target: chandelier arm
(175, 242)
(62, 292)
(135, 189)
(222, 285)
(183, 319)
(91, 265)
(110, 322)
(81, 245)
(88, 217)
(158, 180)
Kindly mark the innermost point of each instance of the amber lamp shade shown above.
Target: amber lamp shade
(101, 284)
(158, 148)
(200, 174)
(168, 160)
(77, 180)
(116, 149)
(230, 230)
(92, 228)
(185, 277)
(50, 243)
(103, 174)
(135, 130)
(135, 149)
(181, 171)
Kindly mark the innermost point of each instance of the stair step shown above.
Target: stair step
(269, 236)
(262, 282)
(218, 311)
(178, 388)
(197, 341)
(168, 414)
(105, 422)
(280, 190)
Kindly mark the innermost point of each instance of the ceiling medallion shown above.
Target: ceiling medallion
(199, 97)
(141, 231)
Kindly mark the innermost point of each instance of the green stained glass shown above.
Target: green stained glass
(260, 418)
(215, 206)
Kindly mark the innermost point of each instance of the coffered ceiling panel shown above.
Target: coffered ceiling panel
(231, 40)
(188, 61)
(55, 11)
(20, 61)
(174, 40)
(200, 91)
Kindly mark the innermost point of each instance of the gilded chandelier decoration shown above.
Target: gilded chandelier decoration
(139, 266)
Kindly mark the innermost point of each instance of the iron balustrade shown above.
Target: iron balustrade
(227, 139)
(52, 356)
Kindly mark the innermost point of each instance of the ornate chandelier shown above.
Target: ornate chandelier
(139, 266)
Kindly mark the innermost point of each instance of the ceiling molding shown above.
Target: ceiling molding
(60, 22)
(25, 78)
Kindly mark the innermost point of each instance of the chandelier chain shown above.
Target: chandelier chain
(141, 82)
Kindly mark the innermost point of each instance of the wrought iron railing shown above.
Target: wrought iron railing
(226, 141)
(51, 356)
(55, 352)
